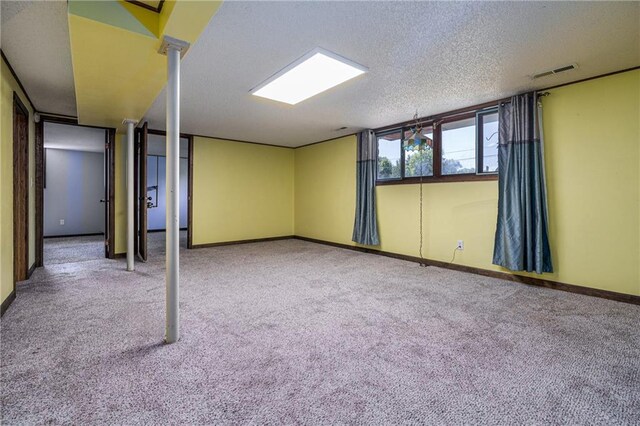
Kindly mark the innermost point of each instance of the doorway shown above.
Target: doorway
(20, 191)
(74, 206)
(151, 192)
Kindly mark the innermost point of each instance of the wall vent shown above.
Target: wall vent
(555, 71)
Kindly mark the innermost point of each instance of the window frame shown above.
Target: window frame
(385, 133)
(405, 130)
(435, 123)
(480, 139)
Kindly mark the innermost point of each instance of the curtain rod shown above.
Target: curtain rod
(540, 95)
(454, 113)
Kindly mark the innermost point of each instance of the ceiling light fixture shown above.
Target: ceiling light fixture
(315, 72)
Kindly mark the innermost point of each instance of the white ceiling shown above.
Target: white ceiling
(74, 138)
(35, 40)
(429, 56)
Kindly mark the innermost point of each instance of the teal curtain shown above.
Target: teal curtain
(365, 228)
(522, 239)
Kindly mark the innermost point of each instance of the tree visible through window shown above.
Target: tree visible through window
(389, 147)
(465, 144)
(419, 161)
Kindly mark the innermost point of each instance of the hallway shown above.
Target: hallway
(73, 249)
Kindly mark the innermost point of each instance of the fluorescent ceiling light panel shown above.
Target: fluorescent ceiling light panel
(315, 72)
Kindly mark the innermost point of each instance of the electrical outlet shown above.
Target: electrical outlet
(460, 245)
(61, 221)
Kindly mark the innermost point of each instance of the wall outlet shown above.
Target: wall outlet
(460, 245)
(61, 221)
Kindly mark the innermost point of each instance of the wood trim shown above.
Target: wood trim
(68, 120)
(136, 188)
(540, 282)
(71, 121)
(146, 6)
(18, 102)
(60, 116)
(142, 222)
(109, 153)
(326, 140)
(229, 243)
(190, 194)
(111, 189)
(31, 270)
(445, 116)
(40, 165)
(7, 302)
(591, 78)
(15, 76)
(459, 111)
(188, 135)
(441, 179)
(90, 234)
(164, 133)
(20, 178)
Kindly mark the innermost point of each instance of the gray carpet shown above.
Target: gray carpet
(156, 243)
(73, 249)
(291, 332)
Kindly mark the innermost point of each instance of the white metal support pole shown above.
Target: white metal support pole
(130, 201)
(173, 49)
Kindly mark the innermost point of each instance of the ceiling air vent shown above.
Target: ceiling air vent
(556, 71)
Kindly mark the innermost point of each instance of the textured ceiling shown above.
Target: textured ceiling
(429, 56)
(74, 138)
(35, 39)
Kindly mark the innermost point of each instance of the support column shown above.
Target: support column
(173, 49)
(130, 201)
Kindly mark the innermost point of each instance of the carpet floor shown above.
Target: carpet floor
(292, 332)
(73, 249)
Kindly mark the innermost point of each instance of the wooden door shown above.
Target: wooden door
(142, 192)
(20, 190)
(109, 194)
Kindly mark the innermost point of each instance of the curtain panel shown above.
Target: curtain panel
(365, 228)
(522, 240)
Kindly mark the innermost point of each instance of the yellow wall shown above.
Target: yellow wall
(121, 194)
(325, 190)
(8, 86)
(592, 150)
(241, 191)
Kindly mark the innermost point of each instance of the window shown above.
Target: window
(488, 141)
(419, 161)
(460, 147)
(389, 154)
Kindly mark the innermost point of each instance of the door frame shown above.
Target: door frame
(20, 192)
(189, 182)
(109, 152)
(140, 220)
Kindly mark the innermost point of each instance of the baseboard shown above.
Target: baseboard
(571, 288)
(74, 235)
(229, 243)
(8, 301)
(30, 271)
